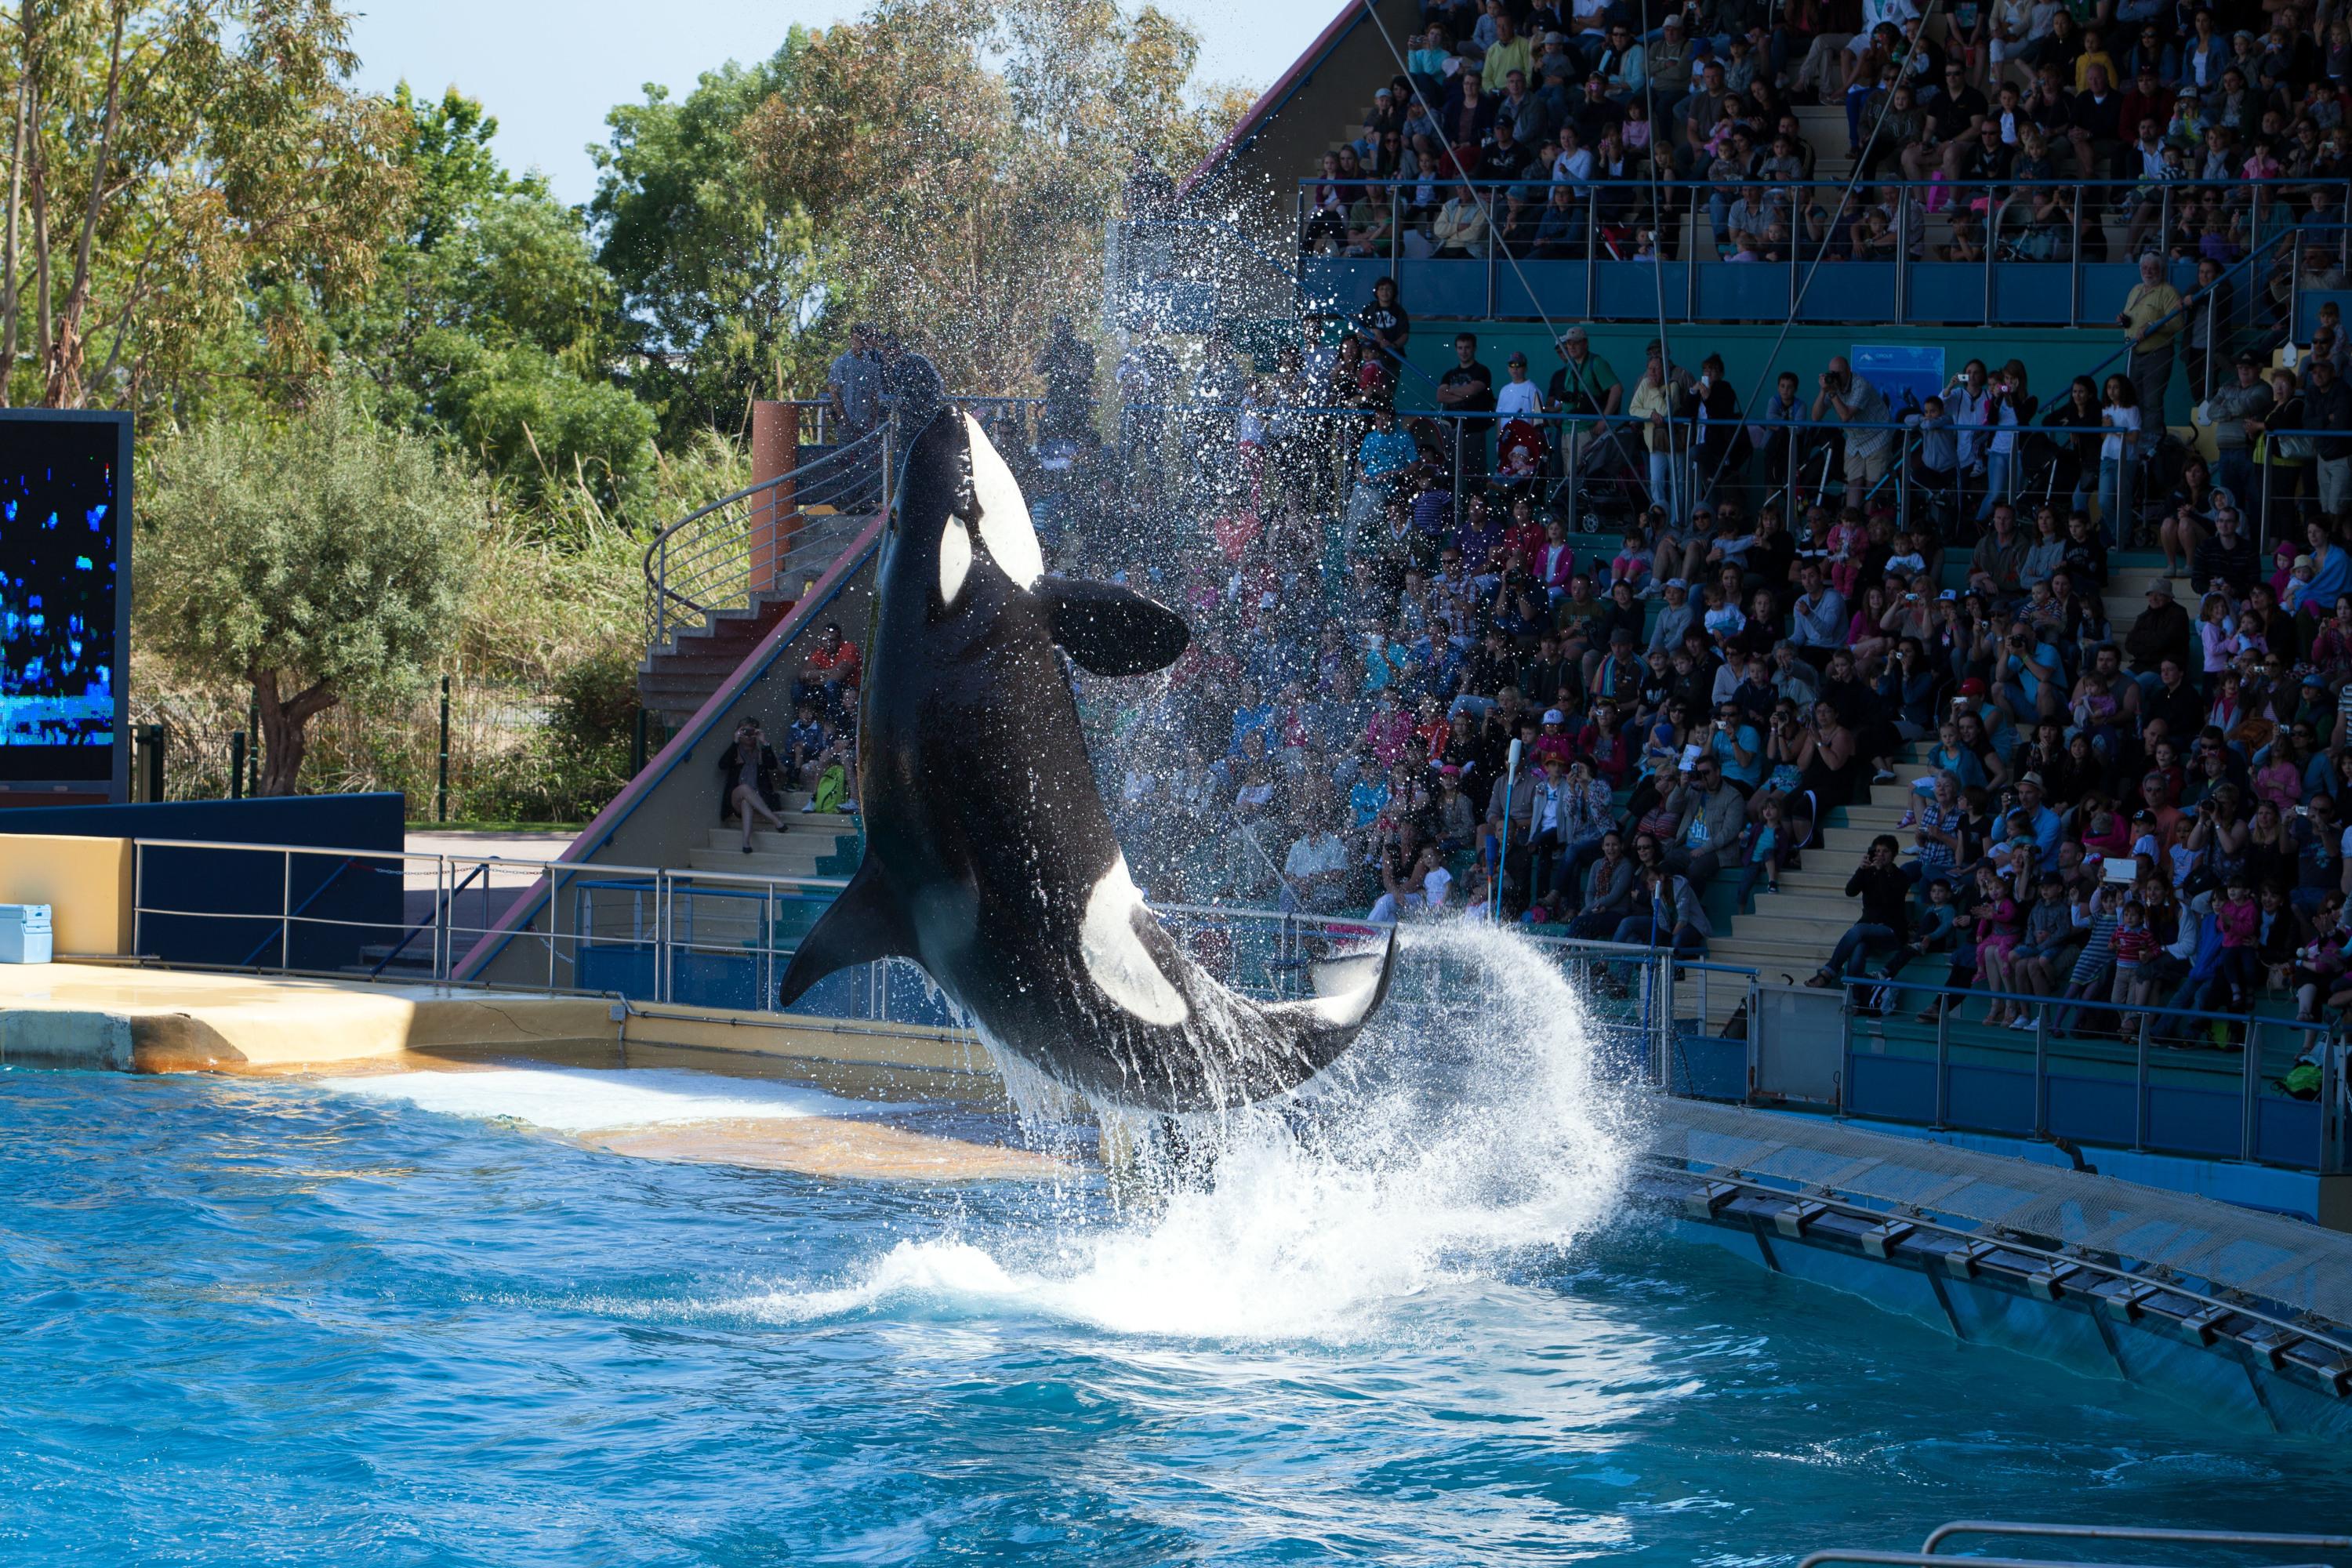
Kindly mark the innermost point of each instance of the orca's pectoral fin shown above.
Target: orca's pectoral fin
(863, 924)
(1112, 630)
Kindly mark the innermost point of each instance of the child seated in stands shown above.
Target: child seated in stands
(804, 742)
(1632, 563)
(1766, 840)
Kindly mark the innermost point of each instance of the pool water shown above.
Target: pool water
(384, 1322)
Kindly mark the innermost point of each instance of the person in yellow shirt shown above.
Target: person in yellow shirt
(1509, 52)
(2151, 318)
(2094, 54)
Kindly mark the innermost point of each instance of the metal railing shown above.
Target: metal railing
(1933, 1551)
(2045, 226)
(686, 937)
(766, 537)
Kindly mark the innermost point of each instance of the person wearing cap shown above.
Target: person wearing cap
(2230, 408)
(2162, 631)
(1675, 617)
(1518, 397)
(1584, 388)
(2043, 824)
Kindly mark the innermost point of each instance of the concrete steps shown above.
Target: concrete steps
(1792, 931)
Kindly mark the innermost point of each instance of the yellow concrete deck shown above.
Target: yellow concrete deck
(130, 1019)
(127, 1018)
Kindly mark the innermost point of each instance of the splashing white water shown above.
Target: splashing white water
(1465, 1138)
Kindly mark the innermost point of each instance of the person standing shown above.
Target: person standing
(2151, 320)
(1845, 398)
(853, 386)
(2246, 397)
(2327, 407)
(1586, 390)
(1469, 388)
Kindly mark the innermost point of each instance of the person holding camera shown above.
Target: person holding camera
(1848, 399)
(1886, 923)
(750, 781)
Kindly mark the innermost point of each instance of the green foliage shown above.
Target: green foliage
(316, 561)
(527, 418)
(721, 281)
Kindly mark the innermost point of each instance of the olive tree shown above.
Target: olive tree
(314, 561)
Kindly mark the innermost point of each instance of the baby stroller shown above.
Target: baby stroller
(1610, 480)
(1520, 453)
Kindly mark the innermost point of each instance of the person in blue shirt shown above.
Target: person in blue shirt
(1386, 449)
(2040, 820)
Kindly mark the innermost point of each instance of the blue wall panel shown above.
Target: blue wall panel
(2090, 1109)
(229, 900)
(1630, 290)
(1456, 288)
(1900, 1089)
(2029, 292)
(2192, 1120)
(1558, 292)
(1999, 1100)
(1743, 290)
(1848, 291)
(1946, 292)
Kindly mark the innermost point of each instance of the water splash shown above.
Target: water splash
(1467, 1139)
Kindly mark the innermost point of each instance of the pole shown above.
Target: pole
(151, 763)
(1503, 852)
(441, 794)
(236, 765)
(253, 748)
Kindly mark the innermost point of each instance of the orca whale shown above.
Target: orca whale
(989, 857)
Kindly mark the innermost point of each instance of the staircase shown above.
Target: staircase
(1791, 932)
(719, 581)
(714, 916)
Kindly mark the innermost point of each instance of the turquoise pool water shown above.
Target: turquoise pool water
(281, 1321)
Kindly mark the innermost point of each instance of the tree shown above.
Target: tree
(961, 161)
(314, 561)
(186, 179)
(718, 282)
(490, 323)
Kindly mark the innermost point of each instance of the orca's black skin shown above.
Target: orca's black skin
(986, 844)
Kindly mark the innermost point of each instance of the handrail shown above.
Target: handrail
(2123, 1532)
(286, 921)
(442, 901)
(2285, 1321)
(692, 565)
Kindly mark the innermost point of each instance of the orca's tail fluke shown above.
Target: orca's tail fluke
(1309, 1036)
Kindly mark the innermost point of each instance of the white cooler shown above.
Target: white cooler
(23, 933)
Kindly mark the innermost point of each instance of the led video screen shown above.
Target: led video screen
(65, 536)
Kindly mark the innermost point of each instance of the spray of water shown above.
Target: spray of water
(1465, 1138)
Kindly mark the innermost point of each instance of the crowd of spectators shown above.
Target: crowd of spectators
(1692, 693)
(1574, 127)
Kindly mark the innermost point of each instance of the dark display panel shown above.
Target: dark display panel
(64, 530)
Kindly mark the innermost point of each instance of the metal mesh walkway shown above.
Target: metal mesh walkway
(2198, 1240)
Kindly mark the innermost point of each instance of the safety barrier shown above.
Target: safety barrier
(2150, 1075)
(1594, 255)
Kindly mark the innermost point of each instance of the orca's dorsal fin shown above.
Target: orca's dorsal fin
(1110, 629)
(863, 925)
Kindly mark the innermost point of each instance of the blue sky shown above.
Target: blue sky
(550, 68)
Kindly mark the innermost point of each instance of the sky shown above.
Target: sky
(550, 69)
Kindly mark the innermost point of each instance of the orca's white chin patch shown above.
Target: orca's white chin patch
(1116, 959)
(1004, 525)
(955, 560)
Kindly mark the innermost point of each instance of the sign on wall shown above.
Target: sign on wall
(1895, 369)
(65, 601)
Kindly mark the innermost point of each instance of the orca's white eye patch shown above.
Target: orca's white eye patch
(1004, 525)
(955, 559)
